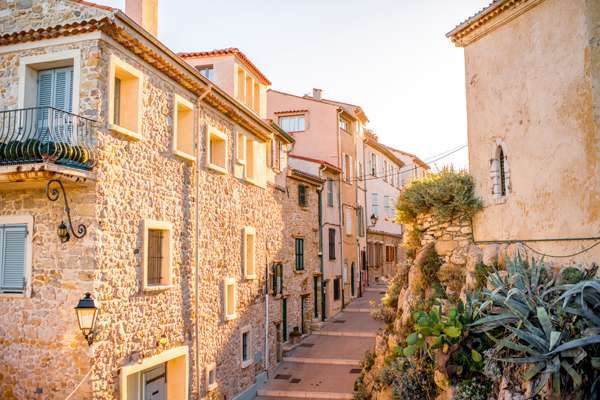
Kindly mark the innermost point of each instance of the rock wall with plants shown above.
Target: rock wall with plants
(465, 321)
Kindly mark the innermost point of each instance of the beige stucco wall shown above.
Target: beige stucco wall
(532, 85)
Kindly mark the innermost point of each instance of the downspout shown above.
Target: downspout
(341, 163)
(197, 237)
(267, 309)
(320, 195)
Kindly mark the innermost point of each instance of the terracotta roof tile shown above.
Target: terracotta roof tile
(225, 52)
(291, 111)
(89, 3)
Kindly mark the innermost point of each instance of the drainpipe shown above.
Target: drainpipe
(197, 237)
(267, 309)
(320, 195)
(341, 163)
(365, 217)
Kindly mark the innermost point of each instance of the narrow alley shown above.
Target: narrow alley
(326, 364)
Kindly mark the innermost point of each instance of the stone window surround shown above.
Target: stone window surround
(27, 220)
(28, 67)
(164, 357)
(249, 231)
(117, 63)
(212, 367)
(230, 281)
(214, 132)
(181, 102)
(498, 198)
(164, 226)
(246, 329)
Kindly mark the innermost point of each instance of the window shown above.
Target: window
(277, 276)
(217, 150)
(348, 168)
(276, 154)
(230, 299)
(299, 254)
(348, 221)
(343, 124)
(183, 129)
(250, 170)
(336, 288)
(240, 150)
(241, 80)
(359, 173)
(500, 173)
(208, 71)
(15, 254)
(360, 215)
(157, 254)
(332, 243)
(256, 97)
(387, 205)
(375, 203)
(125, 92)
(211, 377)
(390, 254)
(373, 164)
(249, 252)
(329, 192)
(249, 91)
(246, 346)
(302, 196)
(292, 123)
(385, 170)
(55, 89)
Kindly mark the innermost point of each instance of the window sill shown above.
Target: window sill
(157, 288)
(246, 364)
(253, 182)
(299, 271)
(500, 199)
(125, 132)
(184, 155)
(217, 168)
(230, 317)
(240, 161)
(212, 386)
(250, 277)
(23, 295)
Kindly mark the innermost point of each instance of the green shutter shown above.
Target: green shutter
(12, 258)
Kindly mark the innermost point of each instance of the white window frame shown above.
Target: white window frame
(27, 272)
(248, 330)
(249, 231)
(117, 63)
(230, 281)
(150, 224)
(211, 386)
(298, 116)
(180, 101)
(29, 67)
(221, 135)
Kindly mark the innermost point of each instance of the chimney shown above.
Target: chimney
(144, 12)
(317, 93)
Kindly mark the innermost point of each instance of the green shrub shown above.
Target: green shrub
(409, 381)
(473, 389)
(572, 275)
(446, 195)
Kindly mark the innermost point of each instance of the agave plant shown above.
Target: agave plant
(546, 326)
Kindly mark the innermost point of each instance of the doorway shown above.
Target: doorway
(155, 383)
(352, 273)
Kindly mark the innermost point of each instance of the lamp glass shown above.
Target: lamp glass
(86, 317)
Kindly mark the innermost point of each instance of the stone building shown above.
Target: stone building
(383, 183)
(174, 181)
(531, 69)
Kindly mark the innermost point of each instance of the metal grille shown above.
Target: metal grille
(155, 256)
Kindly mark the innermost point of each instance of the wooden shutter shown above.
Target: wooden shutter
(302, 195)
(331, 244)
(12, 258)
(330, 192)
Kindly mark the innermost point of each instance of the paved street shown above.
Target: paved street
(326, 364)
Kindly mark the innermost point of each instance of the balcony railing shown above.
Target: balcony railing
(46, 134)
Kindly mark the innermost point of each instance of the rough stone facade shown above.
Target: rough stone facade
(40, 343)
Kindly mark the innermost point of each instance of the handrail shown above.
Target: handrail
(46, 134)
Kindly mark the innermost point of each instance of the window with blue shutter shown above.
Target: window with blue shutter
(12, 258)
(55, 89)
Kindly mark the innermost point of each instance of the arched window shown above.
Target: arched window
(502, 171)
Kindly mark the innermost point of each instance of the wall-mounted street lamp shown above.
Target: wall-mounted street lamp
(87, 311)
(62, 231)
(374, 220)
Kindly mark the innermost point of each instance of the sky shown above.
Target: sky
(391, 57)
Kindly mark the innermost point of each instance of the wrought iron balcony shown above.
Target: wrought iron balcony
(46, 134)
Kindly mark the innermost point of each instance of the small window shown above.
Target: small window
(390, 254)
(373, 164)
(246, 347)
(299, 254)
(15, 254)
(337, 288)
(125, 108)
(230, 298)
(277, 278)
(208, 71)
(502, 172)
(302, 196)
(292, 123)
(183, 129)
(343, 124)
(332, 243)
(211, 377)
(157, 254)
(499, 173)
(329, 192)
(217, 151)
(249, 252)
(348, 221)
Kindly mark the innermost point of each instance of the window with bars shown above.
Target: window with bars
(277, 278)
(299, 254)
(390, 254)
(155, 256)
(337, 288)
(332, 243)
(246, 346)
(302, 196)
